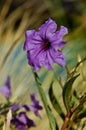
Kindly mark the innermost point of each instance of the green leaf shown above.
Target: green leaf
(55, 102)
(67, 89)
(51, 118)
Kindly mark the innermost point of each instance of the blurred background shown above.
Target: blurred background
(17, 16)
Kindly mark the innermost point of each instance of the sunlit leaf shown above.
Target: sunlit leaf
(77, 65)
(67, 92)
(55, 103)
(9, 118)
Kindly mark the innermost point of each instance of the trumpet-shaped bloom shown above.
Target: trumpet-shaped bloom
(43, 46)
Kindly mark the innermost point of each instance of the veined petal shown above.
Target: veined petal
(42, 59)
(33, 40)
(28, 36)
(49, 60)
(36, 58)
(47, 29)
(58, 45)
(58, 57)
(58, 36)
(33, 56)
(63, 31)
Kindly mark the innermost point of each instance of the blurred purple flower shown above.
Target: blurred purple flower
(21, 121)
(43, 47)
(35, 107)
(19, 118)
(6, 89)
(14, 107)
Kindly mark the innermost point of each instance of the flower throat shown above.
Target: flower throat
(46, 45)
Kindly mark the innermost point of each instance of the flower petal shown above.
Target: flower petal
(32, 41)
(58, 36)
(6, 89)
(35, 107)
(33, 58)
(58, 45)
(28, 36)
(47, 29)
(58, 57)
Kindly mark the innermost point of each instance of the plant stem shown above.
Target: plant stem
(68, 72)
(68, 116)
(65, 124)
(51, 118)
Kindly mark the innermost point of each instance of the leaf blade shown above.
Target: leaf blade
(52, 121)
(55, 103)
(67, 92)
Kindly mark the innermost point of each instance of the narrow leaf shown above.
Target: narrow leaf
(55, 103)
(67, 92)
(51, 118)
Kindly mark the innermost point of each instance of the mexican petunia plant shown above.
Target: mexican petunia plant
(19, 119)
(44, 48)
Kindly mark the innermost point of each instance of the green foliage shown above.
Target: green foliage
(51, 118)
(67, 92)
(55, 102)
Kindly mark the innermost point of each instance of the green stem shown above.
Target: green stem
(45, 103)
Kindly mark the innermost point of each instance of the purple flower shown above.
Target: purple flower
(6, 89)
(22, 122)
(20, 119)
(35, 107)
(14, 107)
(43, 47)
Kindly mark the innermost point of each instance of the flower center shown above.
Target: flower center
(46, 45)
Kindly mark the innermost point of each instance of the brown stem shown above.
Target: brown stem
(68, 116)
(65, 124)
(68, 72)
